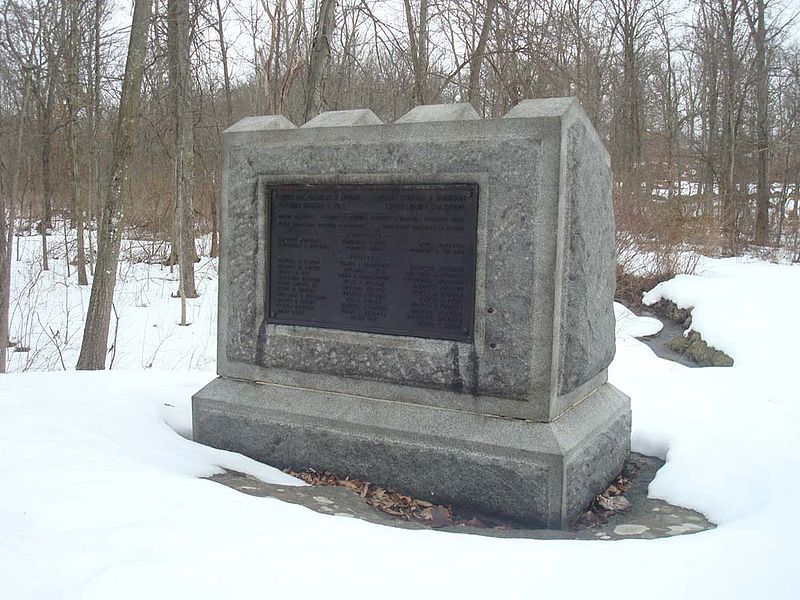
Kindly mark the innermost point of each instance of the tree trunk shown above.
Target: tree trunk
(95, 333)
(320, 57)
(47, 182)
(758, 33)
(6, 247)
(47, 155)
(418, 46)
(226, 78)
(7, 229)
(477, 56)
(96, 114)
(181, 84)
(731, 108)
(215, 200)
(214, 251)
(72, 101)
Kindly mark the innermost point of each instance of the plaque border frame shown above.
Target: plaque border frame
(468, 300)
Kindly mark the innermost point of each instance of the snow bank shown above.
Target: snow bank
(101, 498)
(747, 309)
(630, 325)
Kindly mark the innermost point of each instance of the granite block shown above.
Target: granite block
(542, 474)
(517, 420)
(461, 111)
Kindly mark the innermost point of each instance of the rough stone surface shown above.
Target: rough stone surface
(264, 123)
(541, 107)
(510, 356)
(344, 118)
(589, 467)
(516, 163)
(587, 343)
(522, 470)
(440, 112)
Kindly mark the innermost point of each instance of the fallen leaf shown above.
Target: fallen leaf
(614, 503)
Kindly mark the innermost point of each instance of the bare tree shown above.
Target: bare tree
(418, 47)
(478, 54)
(181, 88)
(763, 36)
(734, 90)
(320, 57)
(73, 95)
(95, 333)
(632, 25)
(219, 25)
(669, 109)
(7, 213)
(281, 58)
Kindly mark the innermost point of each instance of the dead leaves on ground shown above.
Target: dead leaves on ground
(607, 504)
(401, 506)
(392, 503)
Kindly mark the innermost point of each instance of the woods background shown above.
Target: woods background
(697, 103)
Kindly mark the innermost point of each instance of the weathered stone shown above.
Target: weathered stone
(509, 467)
(264, 123)
(543, 320)
(344, 118)
(440, 112)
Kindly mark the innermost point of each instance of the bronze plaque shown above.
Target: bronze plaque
(393, 259)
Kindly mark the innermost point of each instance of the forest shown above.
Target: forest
(111, 114)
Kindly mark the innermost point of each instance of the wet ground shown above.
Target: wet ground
(659, 343)
(646, 518)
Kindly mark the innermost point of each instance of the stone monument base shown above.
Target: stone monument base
(541, 474)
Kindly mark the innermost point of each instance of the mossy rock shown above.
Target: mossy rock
(695, 348)
(669, 310)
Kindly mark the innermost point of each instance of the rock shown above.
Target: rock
(679, 344)
(670, 310)
(699, 351)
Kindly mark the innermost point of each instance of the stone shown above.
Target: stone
(344, 118)
(261, 124)
(630, 530)
(517, 419)
(693, 346)
(462, 111)
(513, 468)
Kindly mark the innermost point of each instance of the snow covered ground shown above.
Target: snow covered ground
(101, 496)
(48, 309)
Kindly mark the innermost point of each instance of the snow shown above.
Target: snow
(48, 310)
(745, 308)
(629, 325)
(687, 188)
(102, 496)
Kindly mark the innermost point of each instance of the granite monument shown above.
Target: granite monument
(425, 304)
